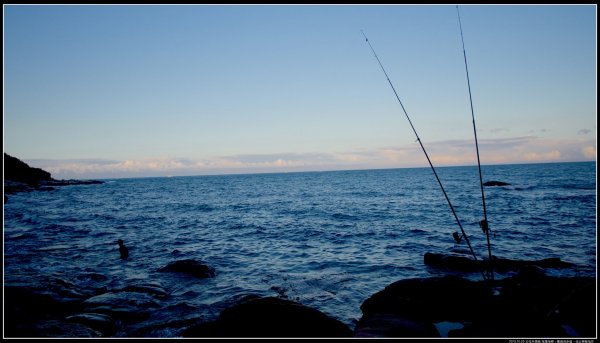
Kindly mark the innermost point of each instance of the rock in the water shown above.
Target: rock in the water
(496, 183)
(467, 264)
(191, 267)
(270, 317)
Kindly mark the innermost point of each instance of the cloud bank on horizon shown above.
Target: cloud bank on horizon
(527, 149)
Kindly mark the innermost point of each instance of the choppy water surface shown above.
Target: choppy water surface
(326, 239)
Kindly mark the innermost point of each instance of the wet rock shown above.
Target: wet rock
(529, 304)
(59, 328)
(170, 321)
(386, 325)
(467, 264)
(93, 282)
(122, 305)
(454, 262)
(102, 323)
(150, 289)
(34, 312)
(431, 300)
(270, 317)
(496, 183)
(575, 313)
(190, 267)
(21, 302)
(11, 187)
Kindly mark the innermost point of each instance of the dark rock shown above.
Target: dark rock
(122, 305)
(385, 325)
(20, 177)
(467, 264)
(25, 300)
(454, 262)
(150, 289)
(58, 328)
(448, 298)
(97, 321)
(496, 183)
(505, 327)
(92, 276)
(17, 170)
(575, 311)
(11, 187)
(190, 267)
(36, 312)
(529, 304)
(65, 291)
(72, 182)
(270, 317)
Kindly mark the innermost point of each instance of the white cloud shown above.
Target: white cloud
(524, 149)
(589, 152)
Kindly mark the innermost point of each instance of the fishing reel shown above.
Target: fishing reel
(483, 224)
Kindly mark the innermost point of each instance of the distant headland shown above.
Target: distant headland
(20, 177)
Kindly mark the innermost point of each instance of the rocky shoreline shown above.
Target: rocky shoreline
(529, 304)
(20, 177)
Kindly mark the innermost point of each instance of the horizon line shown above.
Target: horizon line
(241, 173)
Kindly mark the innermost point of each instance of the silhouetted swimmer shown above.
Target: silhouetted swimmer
(457, 238)
(123, 249)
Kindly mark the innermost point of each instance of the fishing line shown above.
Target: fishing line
(484, 223)
(423, 148)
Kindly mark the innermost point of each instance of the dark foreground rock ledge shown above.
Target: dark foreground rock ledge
(527, 305)
(270, 317)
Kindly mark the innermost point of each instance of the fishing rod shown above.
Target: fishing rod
(423, 148)
(484, 223)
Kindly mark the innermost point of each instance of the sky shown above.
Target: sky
(109, 91)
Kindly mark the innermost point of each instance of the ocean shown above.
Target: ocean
(328, 240)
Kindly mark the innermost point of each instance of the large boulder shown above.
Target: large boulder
(529, 304)
(270, 317)
(191, 267)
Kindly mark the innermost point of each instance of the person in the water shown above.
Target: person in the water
(123, 249)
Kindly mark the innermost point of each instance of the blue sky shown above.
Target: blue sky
(119, 91)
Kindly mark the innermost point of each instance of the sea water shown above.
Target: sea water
(328, 240)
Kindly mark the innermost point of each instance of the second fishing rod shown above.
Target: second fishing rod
(424, 151)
